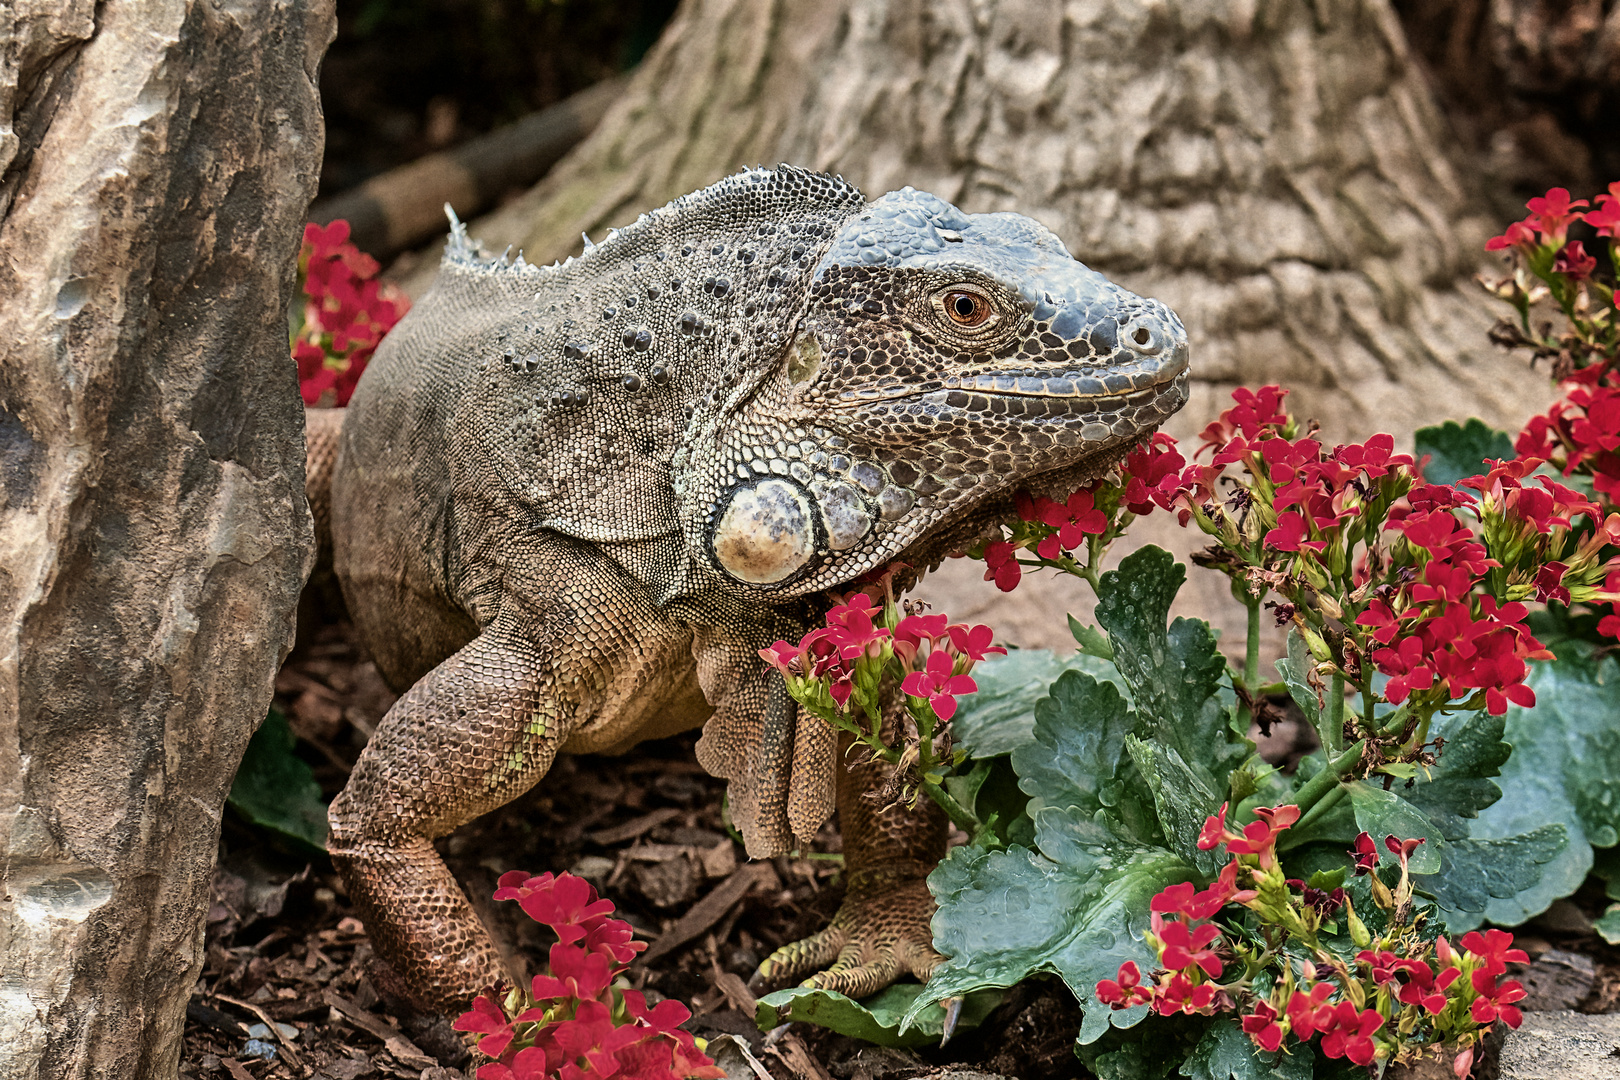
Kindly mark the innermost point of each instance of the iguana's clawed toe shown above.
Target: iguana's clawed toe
(873, 940)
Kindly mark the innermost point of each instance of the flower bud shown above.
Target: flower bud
(1358, 929)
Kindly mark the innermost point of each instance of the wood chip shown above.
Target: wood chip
(235, 1068)
(720, 860)
(633, 828)
(707, 911)
(791, 1049)
(404, 1051)
(660, 852)
(738, 996)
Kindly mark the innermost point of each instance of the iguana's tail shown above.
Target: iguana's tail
(321, 428)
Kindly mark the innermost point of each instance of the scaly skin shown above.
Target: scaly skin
(570, 504)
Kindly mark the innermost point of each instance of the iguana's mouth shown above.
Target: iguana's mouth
(1033, 391)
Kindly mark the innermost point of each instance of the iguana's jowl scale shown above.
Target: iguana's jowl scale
(569, 498)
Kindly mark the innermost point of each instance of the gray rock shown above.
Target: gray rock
(1563, 1046)
(1557, 980)
(156, 159)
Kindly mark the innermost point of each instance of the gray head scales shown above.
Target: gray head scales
(939, 361)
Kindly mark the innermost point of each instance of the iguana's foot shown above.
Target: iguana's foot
(875, 938)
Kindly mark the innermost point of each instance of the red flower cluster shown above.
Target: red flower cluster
(1580, 432)
(576, 1025)
(935, 654)
(1548, 224)
(1392, 987)
(346, 314)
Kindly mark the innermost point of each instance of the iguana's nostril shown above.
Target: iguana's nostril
(1142, 339)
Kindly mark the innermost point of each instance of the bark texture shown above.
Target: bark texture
(156, 160)
(1276, 171)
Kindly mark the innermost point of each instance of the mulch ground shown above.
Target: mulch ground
(291, 987)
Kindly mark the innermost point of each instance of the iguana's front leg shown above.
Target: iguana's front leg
(575, 639)
(882, 930)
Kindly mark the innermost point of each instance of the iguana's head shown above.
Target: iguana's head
(942, 361)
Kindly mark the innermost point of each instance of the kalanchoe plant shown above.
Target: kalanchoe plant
(345, 313)
(580, 1021)
(844, 672)
(1295, 963)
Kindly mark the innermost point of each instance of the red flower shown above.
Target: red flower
(575, 973)
(1152, 475)
(1074, 521)
(1127, 990)
(1291, 534)
(850, 626)
(1573, 260)
(1182, 899)
(1495, 1002)
(1402, 849)
(1381, 963)
(1552, 213)
(1214, 830)
(1518, 235)
(1365, 853)
(781, 656)
(490, 1020)
(1180, 995)
(1549, 583)
(1184, 947)
(1606, 218)
(1420, 987)
(1001, 565)
(1350, 1035)
(1261, 1026)
(937, 683)
(1259, 837)
(1495, 948)
(1308, 1012)
(566, 903)
(975, 642)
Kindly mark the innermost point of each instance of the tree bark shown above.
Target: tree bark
(1275, 171)
(156, 160)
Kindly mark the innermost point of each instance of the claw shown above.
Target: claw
(953, 1013)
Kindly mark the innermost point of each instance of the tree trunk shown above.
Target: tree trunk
(156, 160)
(1274, 170)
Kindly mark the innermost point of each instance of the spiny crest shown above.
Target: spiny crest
(750, 194)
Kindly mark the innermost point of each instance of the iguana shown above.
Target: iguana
(570, 504)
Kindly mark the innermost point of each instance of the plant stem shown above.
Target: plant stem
(1318, 786)
(1333, 730)
(960, 816)
(1320, 810)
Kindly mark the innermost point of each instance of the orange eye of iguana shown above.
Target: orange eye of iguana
(967, 309)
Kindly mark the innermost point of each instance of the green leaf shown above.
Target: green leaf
(1000, 715)
(876, 1020)
(1384, 813)
(1005, 915)
(1457, 450)
(1090, 639)
(1182, 800)
(1608, 927)
(1458, 787)
(1072, 771)
(1173, 673)
(1293, 669)
(276, 790)
(1566, 758)
(1473, 872)
(1225, 1053)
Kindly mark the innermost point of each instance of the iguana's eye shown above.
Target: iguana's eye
(966, 308)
